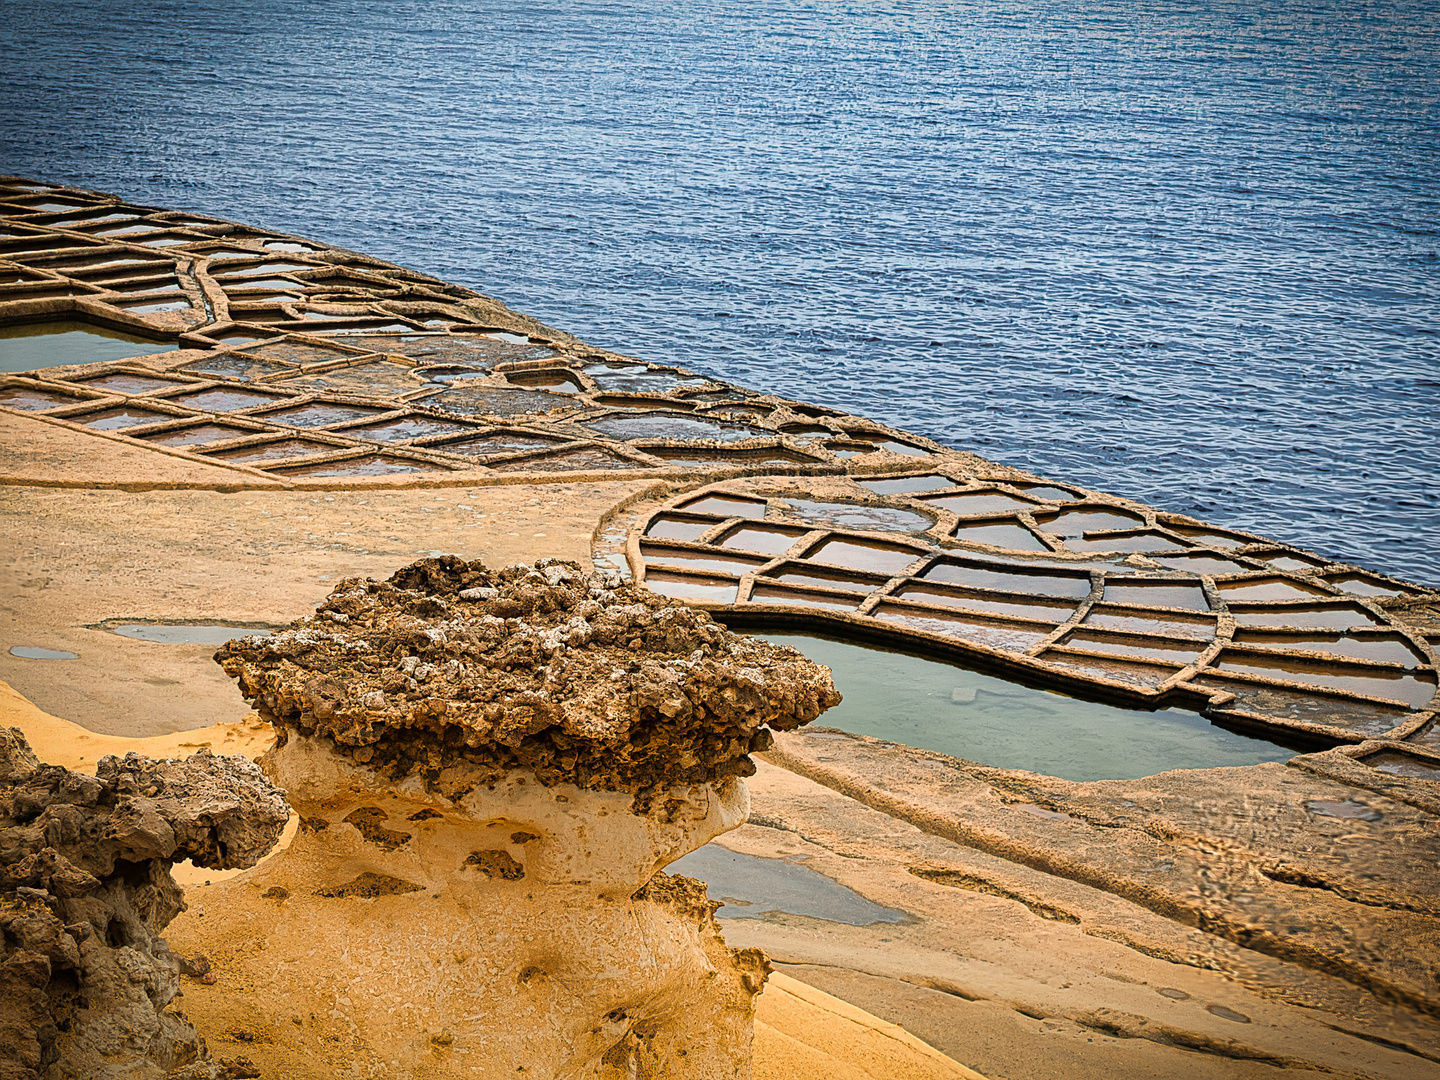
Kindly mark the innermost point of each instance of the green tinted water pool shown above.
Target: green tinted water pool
(54, 344)
(966, 714)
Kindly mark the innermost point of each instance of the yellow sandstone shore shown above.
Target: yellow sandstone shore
(1209, 923)
(798, 1029)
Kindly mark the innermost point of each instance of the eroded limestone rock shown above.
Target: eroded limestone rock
(491, 770)
(85, 890)
(542, 668)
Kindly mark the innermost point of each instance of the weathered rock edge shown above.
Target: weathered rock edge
(545, 668)
(85, 889)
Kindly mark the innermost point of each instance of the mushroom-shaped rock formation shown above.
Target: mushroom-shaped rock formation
(85, 889)
(491, 770)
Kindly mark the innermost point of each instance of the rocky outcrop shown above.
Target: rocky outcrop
(86, 982)
(491, 770)
(542, 668)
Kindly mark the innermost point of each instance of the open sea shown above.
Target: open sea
(1186, 252)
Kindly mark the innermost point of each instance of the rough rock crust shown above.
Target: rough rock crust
(85, 889)
(575, 677)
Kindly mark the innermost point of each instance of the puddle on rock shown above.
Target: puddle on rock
(381, 377)
(723, 506)
(666, 527)
(752, 887)
(581, 459)
(1339, 616)
(29, 346)
(556, 380)
(1267, 589)
(859, 555)
(196, 436)
(772, 458)
(321, 414)
(498, 443)
(1403, 765)
(907, 484)
(1155, 593)
(1007, 580)
(1391, 684)
(1386, 649)
(767, 539)
(235, 368)
(188, 633)
(995, 604)
(115, 419)
(1074, 523)
(1285, 560)
(764, 593)
(1048, 492)
(34, 399)
(978, 502)
(798, 574)
(1198, 628)
(1356, 585)
(220, 399)
(1127, 672)
(1211, 537)
(367, 466)
(687, 587)
(1350, 809)
(1003, 534)
(637, 379)
(1179, 654)
(1202, 564)
(124, 382)
(1141, 540)
(857, 516)
(282, 450)
(404, 428)
(995, 633)
(1361, 717)
(952, 710)
(266, 268)
(674, 426)
(497, 401)
(30, 652)
(686, 559)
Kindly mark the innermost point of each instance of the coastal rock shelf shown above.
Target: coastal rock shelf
(491, 770)
(288, 363)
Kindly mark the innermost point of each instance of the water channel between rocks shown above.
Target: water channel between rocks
(943, 707)
(188, 633)
(753, 887)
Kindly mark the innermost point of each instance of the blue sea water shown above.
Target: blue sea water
(1182, 251)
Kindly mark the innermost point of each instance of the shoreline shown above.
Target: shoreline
(1013, 879)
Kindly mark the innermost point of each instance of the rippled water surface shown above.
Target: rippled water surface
(1185, 252)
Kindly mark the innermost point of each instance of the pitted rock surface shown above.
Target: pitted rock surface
(541, 667)
(85, 890)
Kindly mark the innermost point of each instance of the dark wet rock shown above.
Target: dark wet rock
(85, 890)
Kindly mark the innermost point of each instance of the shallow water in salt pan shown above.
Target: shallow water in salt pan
(966, 714)
(53, 344)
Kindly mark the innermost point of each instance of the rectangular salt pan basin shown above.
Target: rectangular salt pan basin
(1412, 689)
(857, 555)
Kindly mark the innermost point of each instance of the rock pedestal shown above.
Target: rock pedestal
(491, 770)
